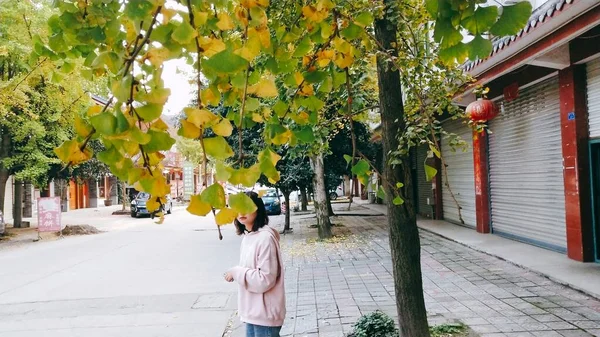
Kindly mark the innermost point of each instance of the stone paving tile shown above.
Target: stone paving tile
(330, 285)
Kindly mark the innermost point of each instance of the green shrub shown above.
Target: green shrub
(375, 324)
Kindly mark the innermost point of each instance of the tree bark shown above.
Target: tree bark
(403, 231)
(286, 197)
(303, 199)
(18, 204)
(5, 144)
(329, 208)
(124, 197)
(320, 197)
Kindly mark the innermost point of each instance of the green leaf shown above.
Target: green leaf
(150, 111)
(303, 47)
(280, 108)
(105, 123)
(138, 9)
(222, 171)
(57, 42)
(446, 34)
(380, 193)
(109, 156)
(245, 176)
(184, 33)
(457, 53)
(305, 134)
(214, 195)
(226, 62)
(139, 136)
(512, 19)
(160, 141)
(479, 48)
(348, 159)
(252, 104)
(432, 7)
(218, 148)
(351, 32)
(109, 59)
(430, 172)
(398, 201)
(399, 185)
(361, 167)
(481, 21)
(364, 19)
(435, 151)
(312, 103)
(314, 76)
(242, 204)
(339, 78)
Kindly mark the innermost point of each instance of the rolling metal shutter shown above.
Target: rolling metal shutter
(526, 172)
(593, 97)
(424, 190)
(461, 176)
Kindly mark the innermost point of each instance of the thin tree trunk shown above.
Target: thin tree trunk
(124, 196)
(320, 197)
(329, 208)
(18, 204)
(5, 144)
(304, 199)
(403, 231)
(286, 196)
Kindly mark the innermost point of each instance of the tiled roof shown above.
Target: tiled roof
(542, 14)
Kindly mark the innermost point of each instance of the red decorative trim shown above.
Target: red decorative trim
(482, 193)
(574, 132)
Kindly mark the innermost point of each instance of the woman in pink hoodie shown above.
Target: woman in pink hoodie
(261, 295)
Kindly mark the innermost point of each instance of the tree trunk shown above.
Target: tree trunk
(304, 199)
(286, 196)
(329, 208)
(124, 197)
(403, 231)
(320, 197)
(5, 143)
(18, 204)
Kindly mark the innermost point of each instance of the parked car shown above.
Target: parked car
(138, 205)
(272, 203)
(338, 192)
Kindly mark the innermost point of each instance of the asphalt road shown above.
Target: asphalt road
(137, 279)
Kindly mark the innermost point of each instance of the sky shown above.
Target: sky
(176, 75)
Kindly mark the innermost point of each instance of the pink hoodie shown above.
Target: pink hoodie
(261, 296)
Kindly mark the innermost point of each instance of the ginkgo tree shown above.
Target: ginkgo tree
(274, 67)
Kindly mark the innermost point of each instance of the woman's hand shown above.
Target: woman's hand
(228, 277)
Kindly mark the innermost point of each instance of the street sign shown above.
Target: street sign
(188, 180)
(49, 214)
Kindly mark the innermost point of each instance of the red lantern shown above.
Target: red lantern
(482, 110)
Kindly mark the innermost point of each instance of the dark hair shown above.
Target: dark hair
(261, 215)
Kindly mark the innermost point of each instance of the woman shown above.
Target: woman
(261, 296)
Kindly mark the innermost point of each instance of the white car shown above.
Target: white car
(338, 192)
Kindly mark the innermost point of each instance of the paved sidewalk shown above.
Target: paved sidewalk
(330, 285)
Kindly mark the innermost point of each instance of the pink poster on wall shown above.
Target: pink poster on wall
(49, 214)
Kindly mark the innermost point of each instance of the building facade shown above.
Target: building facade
(534, 176)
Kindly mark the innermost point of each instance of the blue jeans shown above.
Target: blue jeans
(262, 331)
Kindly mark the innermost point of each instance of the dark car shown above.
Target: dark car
(272, 204)
(138, 205)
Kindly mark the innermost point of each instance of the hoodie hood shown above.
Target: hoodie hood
(272, 231)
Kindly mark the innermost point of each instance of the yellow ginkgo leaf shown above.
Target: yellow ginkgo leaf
(152, 205)
(225, 22)
(258, 118)
(82, 128)
(159, 124)
(241, 14)
(313, 14)
(307, 90)
(223, 128)
(189, 130)
(200, 18)
(282, 138)
(344, 60)
(209, 97)
(198, 207)
(298, 78)
(94, 110)
(199, 117)
(211, 46)
(157, 56)
(264, 88)
(167, 14)
(225, 216)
